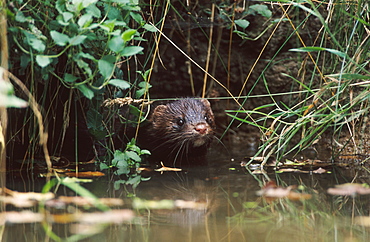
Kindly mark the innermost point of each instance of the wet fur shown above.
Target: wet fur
(182, 129)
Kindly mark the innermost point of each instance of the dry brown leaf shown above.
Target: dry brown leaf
(292, 170)
(191, 205)
(271, 190)
(82, 201)
(349, 189)
(320, 171)
(22, 217)
(85, 174)
(363, 221)
(164, 168)
(113, 216)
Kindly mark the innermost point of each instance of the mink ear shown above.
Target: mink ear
(205, 102)
(158, 112)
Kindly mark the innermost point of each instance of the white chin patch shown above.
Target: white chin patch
(198, 142)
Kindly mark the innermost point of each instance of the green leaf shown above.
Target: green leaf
(43, 61)
(241, 34)
(262, 10)
(242, 23)
(25, 60)
(77, 39)
(37, 44)
(116, 44)
(350, 76)
(128, 34)
(12, 102)
(93, 11)
(133, 155)
(144, 88)
(103, 166)
(314, 48)
(149, 28)
(86, 3)
(70, 78)
(34, 40)
(85, 20)
(119, 83)
(20, 17)
(134, 181)
(108, 25)
(86, 91)
(106, 66)
(7, 98)
(131, 50)
(87, 56)
(83, 65)
(59, 39)
(137, 17)
(145, 152)
(94, 119)
(67, 16)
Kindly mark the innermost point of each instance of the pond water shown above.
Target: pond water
(214, 202)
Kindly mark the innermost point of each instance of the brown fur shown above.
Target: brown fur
(181, 129)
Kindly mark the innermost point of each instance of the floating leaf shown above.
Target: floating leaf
(85, 174)
(349, 189)
(165, 168)
(272, 191)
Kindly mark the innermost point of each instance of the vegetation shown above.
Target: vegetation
(295, 71)
(75, 54)
(331, 94)
(72, 55)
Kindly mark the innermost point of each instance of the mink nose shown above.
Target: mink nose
(201, 128)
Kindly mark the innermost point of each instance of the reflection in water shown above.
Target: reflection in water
(217, 202)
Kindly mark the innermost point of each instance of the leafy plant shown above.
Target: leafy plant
(334, 98)
(82, 46)
(126, 163)
(7, 96)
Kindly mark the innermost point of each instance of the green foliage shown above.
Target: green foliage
(93, 35)
(7, 97)
(240, 20)
(336, 95)
(84, 46)
(126, 163)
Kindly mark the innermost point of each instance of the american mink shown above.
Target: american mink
(179, 130)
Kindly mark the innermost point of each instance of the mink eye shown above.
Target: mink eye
(207, 119)
(180, 122)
